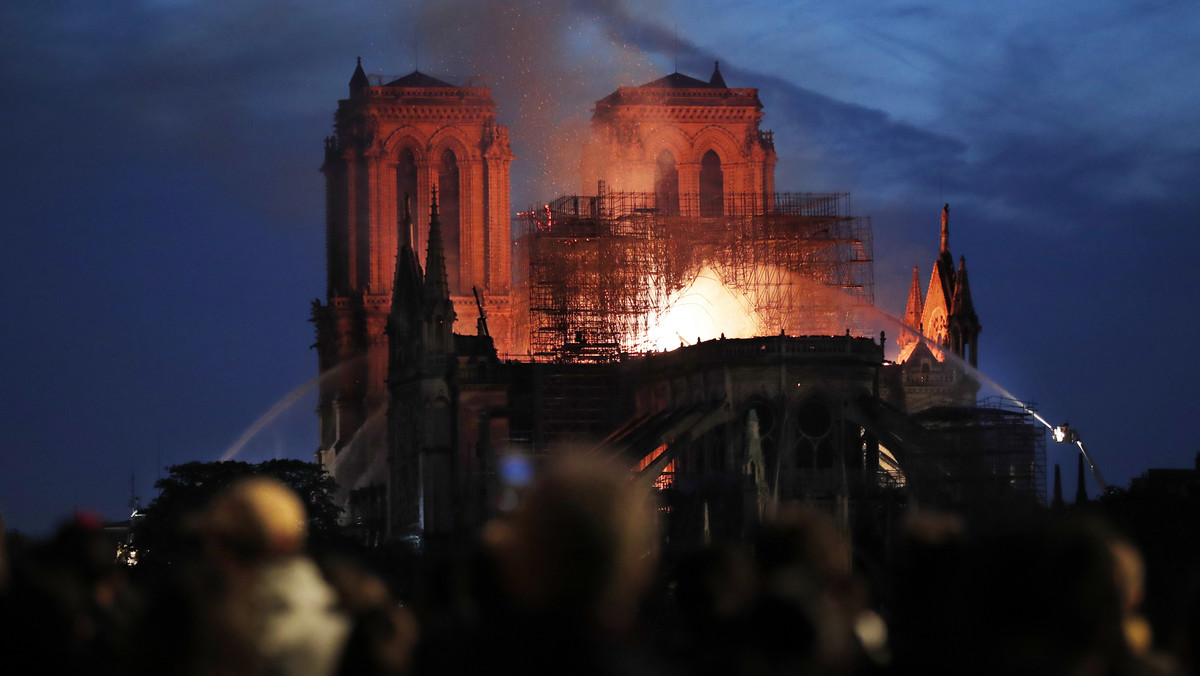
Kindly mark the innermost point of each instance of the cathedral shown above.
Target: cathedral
(445, 382)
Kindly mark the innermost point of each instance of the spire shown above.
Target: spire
(402, 248)
(964, 324)
(436, 283)
(406, 285)
(716, 80)
(1057, 503)
(946, 229)
(916, 307)
(962, 304)
(405, 234)
(1081, 495)
(358, 81)
(944, 267)
(439, 310)
(404, 319)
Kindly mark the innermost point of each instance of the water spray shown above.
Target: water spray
(1063, 434)
(266, 418)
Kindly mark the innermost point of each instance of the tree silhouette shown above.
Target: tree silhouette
(165, 534)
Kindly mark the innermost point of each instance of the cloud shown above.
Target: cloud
(241, 92)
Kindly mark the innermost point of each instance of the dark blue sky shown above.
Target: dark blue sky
(163, 212)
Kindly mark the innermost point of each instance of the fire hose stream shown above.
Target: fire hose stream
(1063, 434)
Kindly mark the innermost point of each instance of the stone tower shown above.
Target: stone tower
(947, 318)
(697, 145)
(947, 314)
(913, 313)
(422, 429)
(396, 143)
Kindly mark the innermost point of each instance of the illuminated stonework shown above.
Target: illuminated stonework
(677, 314)
(682, 136)
(406, 139)
(945, 321)
(395, 145)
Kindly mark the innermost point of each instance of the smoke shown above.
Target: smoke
(843, 139)
(546, 62)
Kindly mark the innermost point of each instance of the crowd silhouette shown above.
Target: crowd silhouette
(575, 581)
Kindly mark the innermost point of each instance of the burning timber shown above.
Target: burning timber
(606, 270)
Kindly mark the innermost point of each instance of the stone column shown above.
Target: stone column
(689, 189)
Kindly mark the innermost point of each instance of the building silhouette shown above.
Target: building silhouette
(394, 145)
(444, 383)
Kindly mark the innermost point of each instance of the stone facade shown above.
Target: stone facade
(395, 146)
(695, 144)
(421, 418)
(943, 322)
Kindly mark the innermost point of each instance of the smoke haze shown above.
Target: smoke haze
(547, 63)
(164, 215)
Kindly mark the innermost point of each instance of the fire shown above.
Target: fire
(703, 310)
(666, 477)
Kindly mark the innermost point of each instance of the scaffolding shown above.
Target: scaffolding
(984, 454)
(604, 269)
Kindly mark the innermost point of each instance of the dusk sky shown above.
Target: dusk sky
(163, 211)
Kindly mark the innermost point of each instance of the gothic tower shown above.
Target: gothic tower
(936, 311)
(695, 144)
(964, 324)
(405, 139)
(422, 424)
(913, 313)
(947, 315)
(947, 318)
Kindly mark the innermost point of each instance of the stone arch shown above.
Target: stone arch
(408, 181)
(462, 234)
(711, 186)
(671, 139)
(400, 180)
(666, 183)
(812, 420)
(657, 140)
(406, 137)
(718, 140)
(450, 168)
(455, 139)
(814, 417)
(403, 180)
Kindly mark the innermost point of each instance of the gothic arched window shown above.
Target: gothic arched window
(406, 186)
(712, 186)
(449, 214)
(666, 184)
